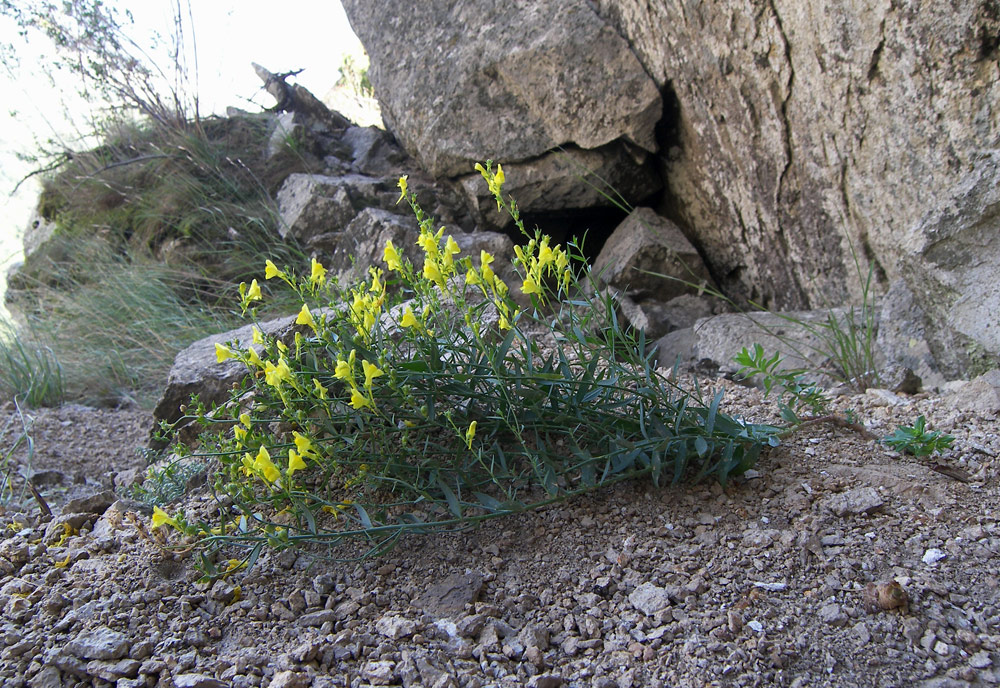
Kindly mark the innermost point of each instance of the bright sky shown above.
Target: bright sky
(230, 34)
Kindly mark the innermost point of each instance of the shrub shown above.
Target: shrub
(428, 399)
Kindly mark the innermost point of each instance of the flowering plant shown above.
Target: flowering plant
(425, 398)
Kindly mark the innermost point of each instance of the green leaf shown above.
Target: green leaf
(453, 504)
(366, 522)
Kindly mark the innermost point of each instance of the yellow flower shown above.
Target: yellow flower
(270, 270)
(245, 419)
(253, 294)
(223, 353)
(470, 434)
(160, 518)
(258, 336)
(295, 462)
(377, 286)
(402, 189)
(303, 444)
(371, 372)
(318, 273)
(240, 433)
(359, 400)
(432, 273)
(529, 286)
(485, 258)
(320, 389)
(265, 466)
(392, 257)
(345, 369)
(409, 320)
(305, 318)
(472, 277)
(275, 374)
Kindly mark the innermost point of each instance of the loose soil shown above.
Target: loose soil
(835, 563)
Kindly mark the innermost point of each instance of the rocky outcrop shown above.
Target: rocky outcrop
(530, 77)
(548, 89)
(649, 257)
(803, 131)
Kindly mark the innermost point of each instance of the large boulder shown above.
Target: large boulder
(570, 178)
(648, 257)
(462, 81)
(548, 89)
(803, 134)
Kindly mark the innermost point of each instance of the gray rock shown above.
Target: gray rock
(374, 152)
(566, 179)
(94, 504)
(198, 681)
(449, 597)
(48, 677)
(99, 643)
(395, 627)
(349, 253)
(379, 673)
(801, 136)
(318, 618)
(289, 679)
(546, 681)
(980, 660)
(311, 205)
(658, 318)
(713, 342)
(950, 264)
(649, 598)
(981, 395)
(832, 614)
(112, 671)
(860, 500)
(646, 242)
(902, 339)
(529, 78)
(196, 369)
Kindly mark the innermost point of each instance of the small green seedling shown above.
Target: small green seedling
(797, 393)
(915, 439)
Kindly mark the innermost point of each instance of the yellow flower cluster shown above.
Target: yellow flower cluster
(345, 371)
(538, 259)
(495, 180)
(366, 305)
(492, 287)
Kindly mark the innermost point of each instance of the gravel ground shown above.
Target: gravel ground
(837, 562)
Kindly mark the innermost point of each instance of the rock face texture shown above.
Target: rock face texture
(802, 129)
(459, 82)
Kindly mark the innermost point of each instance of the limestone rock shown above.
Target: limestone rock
(570, 178)
(197, 371)
(798, 130)
(449, 597)
(646, 242)
(981, 395)
(529, 77)
(902, 336)
(713, 342)
(99, 643)
(658, 318)
(952, 265)
(861, 500)
(649, 598)
(313, 204)
(198, 681)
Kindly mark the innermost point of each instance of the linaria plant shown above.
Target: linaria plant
(427, 398)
